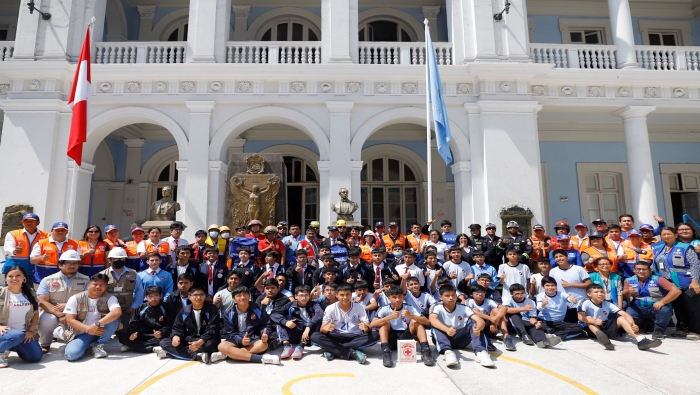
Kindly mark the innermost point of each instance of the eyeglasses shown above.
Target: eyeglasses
(197, 296)
(642, 270)
(93, 231)
(176, 230)
(153, 297)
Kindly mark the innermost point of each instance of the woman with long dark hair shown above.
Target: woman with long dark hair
(93, 251)
(19, 316)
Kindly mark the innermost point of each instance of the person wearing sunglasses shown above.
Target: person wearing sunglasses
(93, 251)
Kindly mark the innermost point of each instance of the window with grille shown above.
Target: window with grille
(668, 39)
(604, 196)
(587, 36)
(384, 31)
(302, 192)
(390, 192)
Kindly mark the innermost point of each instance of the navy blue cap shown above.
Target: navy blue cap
(379, 224)
(59, 225)
(110, 227)
(599, 221)
(30, 216)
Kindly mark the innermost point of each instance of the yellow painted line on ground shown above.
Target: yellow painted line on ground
(286, 389)
(576, 384)
(153, 380)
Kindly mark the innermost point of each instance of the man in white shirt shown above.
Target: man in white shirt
(19, 243)
(345, 328)
(175, 240)
(94, 316)
(572, 279)
(409, 268)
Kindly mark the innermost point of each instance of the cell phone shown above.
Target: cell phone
(690, 292)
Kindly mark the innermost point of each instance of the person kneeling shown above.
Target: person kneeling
(195, 332)
(93, 316)
(605, 319)
(455, 326)
(297, 320)
(345, 328)
(399, 321)
(151, 322)
(247, 331)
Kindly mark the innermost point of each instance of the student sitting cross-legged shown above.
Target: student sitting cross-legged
(456, 326)
(296, 321)
(399, 321)
(552, 305)
(605, 319)
(151, 322)
(195, 333)
(247, 330)
(345, 328)
(493, 314)
(522, 314)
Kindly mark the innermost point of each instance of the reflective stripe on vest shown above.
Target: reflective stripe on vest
(645, 295)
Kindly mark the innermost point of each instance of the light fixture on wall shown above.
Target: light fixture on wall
(499, 16)
(44, 15)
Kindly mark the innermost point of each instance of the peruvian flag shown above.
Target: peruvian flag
(79, 103)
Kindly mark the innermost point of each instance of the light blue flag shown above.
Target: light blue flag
(442, 124)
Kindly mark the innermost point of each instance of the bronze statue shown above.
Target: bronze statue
(165, 209)
(344, 207)
(254, 202)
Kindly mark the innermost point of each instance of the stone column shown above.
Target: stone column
(482, 30)
(196, 190)
(240, 24)
(623, 35)
(209, 29)
(463, 194)
(339, 31)
(217, 192)
(324, 198)
(27, 32)
(144, 210)
(78, 203)
(61, 37)
(516, 32)
(340, 136)
(505, 158)
(639, 162)
(147, 12)
(431, 13)
(132, 176)
(356, 187)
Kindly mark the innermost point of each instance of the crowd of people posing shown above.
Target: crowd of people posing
(240, 295)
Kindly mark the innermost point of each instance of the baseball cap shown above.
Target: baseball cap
(109, 228)
(490, 225)
(136, 229)
(58, 225)
(634, 232)
(30, 216)
(392, 223)
(563, 237)
(599, 221)
(332, 227)
(581, 225)
(538, 226)
(379, 224)
(596, 235)
(474, 226)
(646, 227)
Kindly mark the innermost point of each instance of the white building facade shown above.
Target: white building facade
(573, 110)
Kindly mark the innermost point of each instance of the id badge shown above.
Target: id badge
(118, 289)
(661, 265)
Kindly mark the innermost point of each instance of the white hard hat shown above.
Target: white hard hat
(117, 252)
(368, 233)
(70, 255)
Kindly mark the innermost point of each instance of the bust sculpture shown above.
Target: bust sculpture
(344, 207)
(165, 208)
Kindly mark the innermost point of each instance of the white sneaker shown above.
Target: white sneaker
(157, 349)
(161, 354)
(450, 358)
(58, 333)
(3, 361)
(204, 357)
(98, 351)
(6, 354)
(270, 359)
(499, 335)
(484, 359)
(217, 356)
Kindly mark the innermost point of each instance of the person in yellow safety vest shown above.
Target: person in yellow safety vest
(394, 237)
(580, 240)
(19, 243)
(213, 239)
(46, 252)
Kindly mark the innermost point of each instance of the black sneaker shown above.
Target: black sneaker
(490, 347)
(646, 344)
(603, 339)
(527, 340)
(658, 334)
(508, 343)
(387, 360)
(427, 356)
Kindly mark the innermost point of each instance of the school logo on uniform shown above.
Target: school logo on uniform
(247, 273)
(421, 305)
(163, 278)
(55, 284)
(160, 318)
(605, 313)
(253, 316)
(354, 319)
(459, 317)
(102, 248)
(521, 273)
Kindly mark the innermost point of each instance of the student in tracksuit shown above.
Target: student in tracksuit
(151, 322)
(247, 331)
(195, 332)
(456, 326)
(272, 300)
(296, 321)
(345, 329)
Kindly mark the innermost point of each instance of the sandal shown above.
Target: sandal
(692, 336)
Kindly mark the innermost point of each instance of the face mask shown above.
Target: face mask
(398, 253)
(225, 235)
(118, 264)
(213, 233)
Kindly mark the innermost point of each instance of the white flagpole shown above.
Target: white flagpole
(427, 127)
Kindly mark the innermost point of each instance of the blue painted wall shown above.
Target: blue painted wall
(162, 12)
(561, 159)
(133, 20)
(118, 150)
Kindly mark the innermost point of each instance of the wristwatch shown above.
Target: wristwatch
(97, 324)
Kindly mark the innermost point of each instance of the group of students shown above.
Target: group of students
(307, 292)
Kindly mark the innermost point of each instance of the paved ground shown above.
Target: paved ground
(576, 366)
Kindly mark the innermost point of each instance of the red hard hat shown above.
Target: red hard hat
(562, 224)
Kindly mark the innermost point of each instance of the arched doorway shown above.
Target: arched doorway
(302, 191)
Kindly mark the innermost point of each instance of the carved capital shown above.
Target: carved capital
(241, 11)
(431, 11)
(147, 11)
